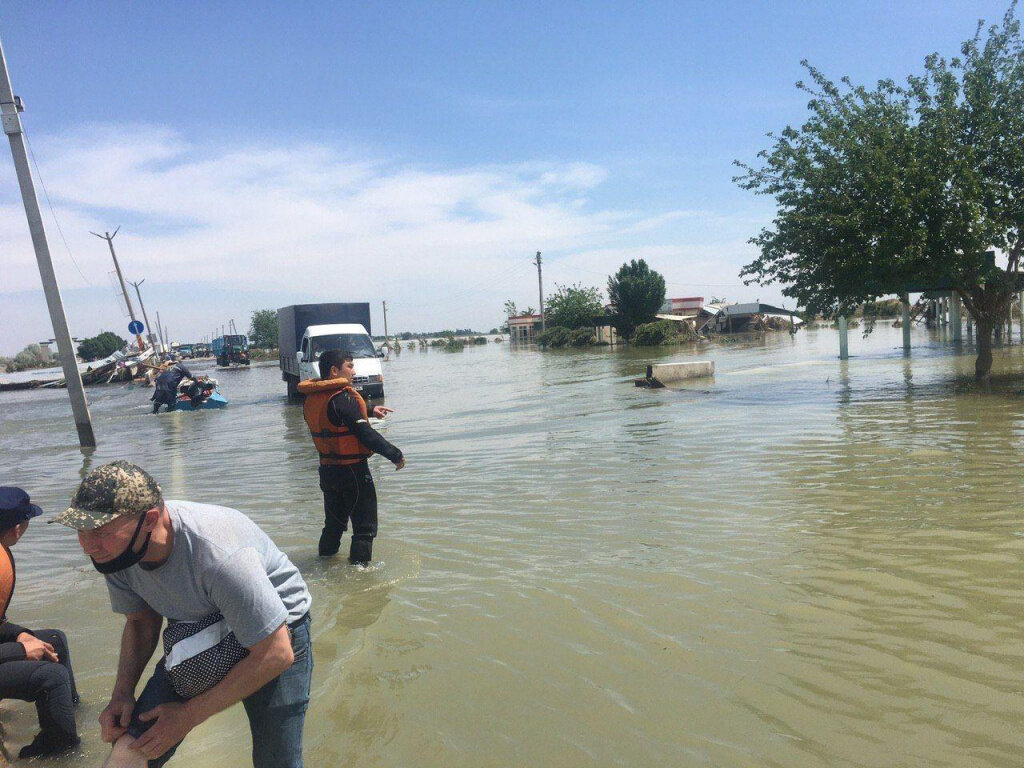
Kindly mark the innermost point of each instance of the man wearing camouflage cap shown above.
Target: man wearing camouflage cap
(190, 562)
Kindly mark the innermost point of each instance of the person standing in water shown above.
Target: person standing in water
(167, 385)
(338, 420)
(35, 664)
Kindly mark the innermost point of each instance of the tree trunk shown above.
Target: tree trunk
(983, 364)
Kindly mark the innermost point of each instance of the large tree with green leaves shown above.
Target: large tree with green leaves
(636, 293)
(263, 329)
(573, 306)
(903, 184)
(102, 345)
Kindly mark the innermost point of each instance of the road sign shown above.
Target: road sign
(136, 327)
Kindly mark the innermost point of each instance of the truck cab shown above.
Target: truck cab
(369, 378)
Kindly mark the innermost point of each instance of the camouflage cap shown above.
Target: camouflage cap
(109, 492)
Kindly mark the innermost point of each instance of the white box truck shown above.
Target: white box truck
(304, 331)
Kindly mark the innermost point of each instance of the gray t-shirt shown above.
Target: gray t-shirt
(220, 561)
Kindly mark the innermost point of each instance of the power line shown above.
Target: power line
(53, 212)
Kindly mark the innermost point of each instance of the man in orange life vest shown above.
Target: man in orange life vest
(339, 422)
(35, 665)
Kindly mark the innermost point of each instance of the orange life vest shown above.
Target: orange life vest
(336, 445)
(6, 580)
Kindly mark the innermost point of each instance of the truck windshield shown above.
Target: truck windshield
(358, 344)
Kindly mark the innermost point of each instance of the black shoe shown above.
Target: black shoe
(44, 744)
(361, 551)
(329, 545)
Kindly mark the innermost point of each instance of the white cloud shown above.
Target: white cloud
(307, 222)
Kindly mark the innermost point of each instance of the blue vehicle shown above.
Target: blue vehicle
(231, 349)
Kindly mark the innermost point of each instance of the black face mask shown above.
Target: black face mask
(129, 557)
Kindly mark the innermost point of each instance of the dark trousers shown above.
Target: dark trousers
(349, 494)
(164, 396)
(51, 686)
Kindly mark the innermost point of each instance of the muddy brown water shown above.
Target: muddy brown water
(800, 562)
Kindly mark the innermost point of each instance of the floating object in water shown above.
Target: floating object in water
(664, 373)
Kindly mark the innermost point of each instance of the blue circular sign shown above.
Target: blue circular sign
(136, 327)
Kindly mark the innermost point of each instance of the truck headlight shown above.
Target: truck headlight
(374, 379)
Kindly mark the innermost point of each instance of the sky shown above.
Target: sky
(260, 154)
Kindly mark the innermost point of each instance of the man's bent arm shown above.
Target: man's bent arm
(138, 641)
(266, 660)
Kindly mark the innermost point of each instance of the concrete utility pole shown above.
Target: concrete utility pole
(160, 330)
(385, 320)
(10, 106)
(149, 328)
(540, 288)
(124, 290)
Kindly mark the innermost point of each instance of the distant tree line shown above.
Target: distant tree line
(32, 356)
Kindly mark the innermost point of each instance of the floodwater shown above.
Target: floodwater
(800, 562)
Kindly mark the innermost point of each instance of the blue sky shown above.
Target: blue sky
(261, 154)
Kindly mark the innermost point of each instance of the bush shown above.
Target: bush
(555, 338)
(454, 345)
(480, 340)
(581, 337)
(32, 356)
(663, 332)
(884, 308)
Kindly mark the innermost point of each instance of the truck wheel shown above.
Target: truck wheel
(293, 387)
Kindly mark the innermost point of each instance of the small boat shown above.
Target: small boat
(202, 395)
(212, 402)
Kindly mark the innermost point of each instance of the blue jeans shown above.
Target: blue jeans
(277, 711)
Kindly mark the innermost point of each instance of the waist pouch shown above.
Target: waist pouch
(199, 654)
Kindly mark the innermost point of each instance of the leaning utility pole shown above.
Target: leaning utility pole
(540, 288)
(10, 106)
(149, 328)
(160, 331)
(131, 310)
(385, 320)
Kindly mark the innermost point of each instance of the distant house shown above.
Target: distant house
(524, 329)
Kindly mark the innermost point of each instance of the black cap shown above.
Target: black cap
(15, 507)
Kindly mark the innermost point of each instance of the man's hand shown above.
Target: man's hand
(115, 718)
(36, 649)
(380, 411)
(173, 722)
(400, 463)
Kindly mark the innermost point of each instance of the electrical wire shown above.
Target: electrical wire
(53, 212)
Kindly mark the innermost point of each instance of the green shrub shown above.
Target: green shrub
(581, 337)
(480, 340)
(555, 338)
(454, 345)
(663, 332)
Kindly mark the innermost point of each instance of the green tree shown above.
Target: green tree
(510, 309)
(902, 184)
(102, 345)
(636, 293)
(573, 306)
(263, 329)
(32, 356)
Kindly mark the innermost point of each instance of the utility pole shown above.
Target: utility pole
(149, 328)
(124, 290)
(385, 320)
(160, 330)
(540, 288)
(10, 106)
